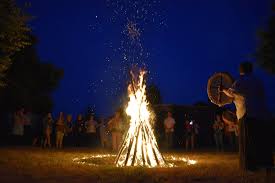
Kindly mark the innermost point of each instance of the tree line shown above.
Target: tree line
(25, 79)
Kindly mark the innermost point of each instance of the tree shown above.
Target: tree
(265, 54)
(14, 34)
(30, 82)
(153, 94)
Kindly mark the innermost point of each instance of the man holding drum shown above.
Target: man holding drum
(248, 96)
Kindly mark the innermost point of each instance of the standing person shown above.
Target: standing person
(115, 126)
(60, 130)
(91, 126)
(28, 119)
(47, 126)
(169, 124)
(248, 96)
(189, 134)
(195, 135)
(37, 130)
(18, 127)
(232, 132)
(69, 130)
(218, 128)
(231, 136)
(103, 134)
(79, 131)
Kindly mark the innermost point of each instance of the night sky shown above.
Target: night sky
(182, 43)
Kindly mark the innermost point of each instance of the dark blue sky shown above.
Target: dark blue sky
(185, 42)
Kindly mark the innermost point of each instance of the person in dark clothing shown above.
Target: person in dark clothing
(37, 130)
(189, 135)
(218, 128)
(254, 120)
(28, 122)
(68, 141)
(79, 131)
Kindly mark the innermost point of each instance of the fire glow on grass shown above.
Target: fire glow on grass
(139, 147)
(106, 159)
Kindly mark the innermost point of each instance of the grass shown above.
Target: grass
(45, 166)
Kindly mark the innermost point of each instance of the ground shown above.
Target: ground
(68, 166)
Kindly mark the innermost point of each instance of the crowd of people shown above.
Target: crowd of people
(85, 131)
(223, 131)
(48, 132)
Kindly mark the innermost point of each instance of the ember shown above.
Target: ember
(133, 31)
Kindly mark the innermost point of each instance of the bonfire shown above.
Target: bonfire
(139, 147)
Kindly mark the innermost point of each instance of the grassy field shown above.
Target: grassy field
(45, 166)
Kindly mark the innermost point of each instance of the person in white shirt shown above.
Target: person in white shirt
(91, 126)
(169, 124)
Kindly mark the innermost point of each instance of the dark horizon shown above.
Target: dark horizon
(184, 44)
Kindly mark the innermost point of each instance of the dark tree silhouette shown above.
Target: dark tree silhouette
(265, 54)
(13, 34)
(30, 82)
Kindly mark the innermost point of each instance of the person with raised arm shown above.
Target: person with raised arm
(248, 96)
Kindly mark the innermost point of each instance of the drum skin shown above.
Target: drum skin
(215, 84)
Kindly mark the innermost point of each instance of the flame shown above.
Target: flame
(137, 107)
(139, 147)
